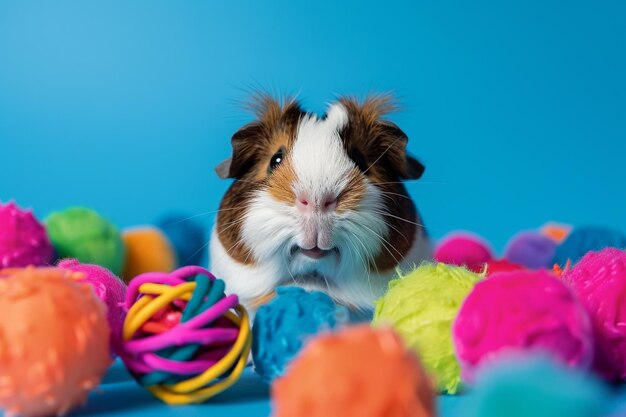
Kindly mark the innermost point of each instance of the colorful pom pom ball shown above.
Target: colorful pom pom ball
(521, 310)
(531, 249)
(464, 249)
(108, 288)
(495, 266)
(599, 279)
(55, 341)
(358, 371)
(147, 250)
(421, 307)
(23, 240)
(186, 235)
(183, 338)
(537, 386)
(282, 326)
(584, 239)
(83, 234)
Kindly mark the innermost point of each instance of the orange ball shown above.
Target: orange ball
(555, 231)
(359, 371)
(55, 341)
(147, 250)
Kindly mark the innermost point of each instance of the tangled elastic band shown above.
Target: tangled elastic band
(183, 338)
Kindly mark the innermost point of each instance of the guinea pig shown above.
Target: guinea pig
(318, 202)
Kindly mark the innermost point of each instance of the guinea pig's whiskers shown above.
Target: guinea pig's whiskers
(365, 267)
(399, 218)
(381, 155)
(390, 193)
(418, 182)
(231, 224)
(365, 260)
(386, 244)
(206, 213)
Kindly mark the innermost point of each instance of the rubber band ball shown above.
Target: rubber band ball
(184, 339)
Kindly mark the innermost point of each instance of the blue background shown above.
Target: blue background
(518, 109)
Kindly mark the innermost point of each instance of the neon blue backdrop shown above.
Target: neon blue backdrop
(518, 109)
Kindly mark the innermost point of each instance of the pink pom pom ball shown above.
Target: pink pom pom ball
(463, 249)
(108, 288)
(599, 279)
(23, 240)
(521, 310)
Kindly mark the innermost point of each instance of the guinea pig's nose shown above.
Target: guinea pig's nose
(306, 204)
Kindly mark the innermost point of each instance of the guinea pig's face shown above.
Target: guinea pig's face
(319, 201)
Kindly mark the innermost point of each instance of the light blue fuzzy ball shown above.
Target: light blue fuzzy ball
(588, 238)
(537, 386)
(282, 326)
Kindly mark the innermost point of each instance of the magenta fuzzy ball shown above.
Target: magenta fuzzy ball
(599, 279)
(108, 288)
(23, 240)
(463, 249)
(521, 311)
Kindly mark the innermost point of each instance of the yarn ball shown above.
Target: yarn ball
(463, 249)
(282, 326)
(108, 288)
(421, 306)
(55, 341)
(521, 310)
(537, 386)
(83, 234)
(188, 237)
(147, 250)
(23, 240)
(183, 338)
(584, 239)
(531, 249)
(501, 265)
(358, 371)
(599, 279)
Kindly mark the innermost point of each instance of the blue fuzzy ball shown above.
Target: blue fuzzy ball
(584, 239)
(186, 235)
(537, 386)
(282, 326)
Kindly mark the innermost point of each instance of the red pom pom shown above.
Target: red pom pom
(501, 265)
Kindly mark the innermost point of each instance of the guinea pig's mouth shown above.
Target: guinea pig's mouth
(313, 253)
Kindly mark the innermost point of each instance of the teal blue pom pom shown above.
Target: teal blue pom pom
(524, 386)
(584, 239)
(282, 326)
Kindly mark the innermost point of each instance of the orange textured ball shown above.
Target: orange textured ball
(359, 371)
(54, 344)
(147, 250)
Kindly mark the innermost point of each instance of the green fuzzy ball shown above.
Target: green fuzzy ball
(83, 234)
(421, 306)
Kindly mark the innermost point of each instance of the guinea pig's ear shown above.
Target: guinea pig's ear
(244, 143)
(406, 166)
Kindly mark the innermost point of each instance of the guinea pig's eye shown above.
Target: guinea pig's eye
(358, 159)
(276, 159)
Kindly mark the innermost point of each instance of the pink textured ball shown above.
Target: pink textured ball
(599, 279)
(108, 288)
(463, 250)
(521, 310)
(23, 240)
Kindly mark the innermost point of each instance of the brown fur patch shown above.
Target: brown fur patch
(352, 195)
(379, 149)
(253, 146)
